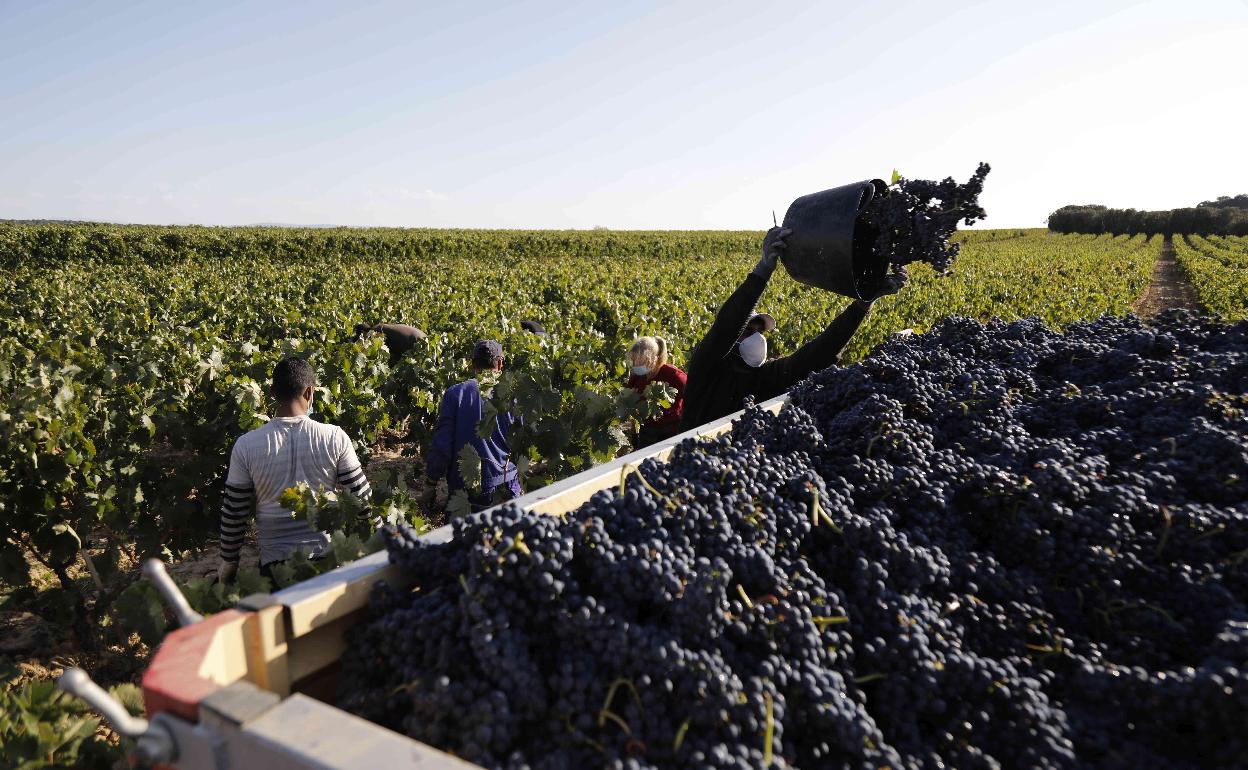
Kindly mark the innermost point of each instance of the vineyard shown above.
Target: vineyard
(1218, 270)
(131, 359)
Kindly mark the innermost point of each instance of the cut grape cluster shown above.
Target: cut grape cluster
(914, 221)
(984, 546)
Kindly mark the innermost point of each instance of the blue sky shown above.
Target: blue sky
(622, 114)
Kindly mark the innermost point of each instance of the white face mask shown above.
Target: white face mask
(754, 349)
(641, 371)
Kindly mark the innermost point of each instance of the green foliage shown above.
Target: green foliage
(1226, 202)
(352, 533)
(1218, 270)
(41, 727)
(470, 463)
(658, 397)
(326, 510)
(140, 609)
(1223, 217)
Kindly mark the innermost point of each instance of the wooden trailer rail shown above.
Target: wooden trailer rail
(233, 690)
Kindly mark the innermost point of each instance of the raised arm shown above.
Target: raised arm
(776, 377)
(735, 312)
(819, 353)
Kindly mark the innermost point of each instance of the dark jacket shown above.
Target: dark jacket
(458, 415)
(719, 380)
(400, 338)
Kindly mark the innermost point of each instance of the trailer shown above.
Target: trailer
(253, 686)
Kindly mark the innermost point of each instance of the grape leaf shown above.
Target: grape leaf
(459, 504)
(470, 467)
(489, 420)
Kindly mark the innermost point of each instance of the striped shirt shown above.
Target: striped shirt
(270, 459)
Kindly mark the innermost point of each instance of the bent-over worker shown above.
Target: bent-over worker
(400, 338)
(729, 364)
(289, 448)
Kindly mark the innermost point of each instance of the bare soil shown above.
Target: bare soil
(389, 460)
(1169, 287)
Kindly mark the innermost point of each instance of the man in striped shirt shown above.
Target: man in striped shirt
(290, 448)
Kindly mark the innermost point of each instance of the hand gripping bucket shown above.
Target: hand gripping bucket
(829, 248)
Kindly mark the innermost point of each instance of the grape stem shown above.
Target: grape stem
(823, 621)
(624, 473)
(769, 732)
(744, 596)
(606, 713)
(516, 545)
(1206, 535)
(680, 736)
(820, 514)
(567, 721)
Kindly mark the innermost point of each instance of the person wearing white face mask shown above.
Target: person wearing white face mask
(730, 363)
(648, 361)
(752, 345)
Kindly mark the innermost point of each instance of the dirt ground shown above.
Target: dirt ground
(1169, 287)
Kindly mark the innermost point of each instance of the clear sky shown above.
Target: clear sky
(620, 114)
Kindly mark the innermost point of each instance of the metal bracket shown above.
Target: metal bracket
(155, 571)
(152, 742)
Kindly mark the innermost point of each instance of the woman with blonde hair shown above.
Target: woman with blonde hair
(647, 359)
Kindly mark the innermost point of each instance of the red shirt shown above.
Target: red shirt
(672, 376)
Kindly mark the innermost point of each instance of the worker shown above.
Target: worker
(647, 359)
(730, 363)
(752, 343)
(400, 338)
(533, 327)
(458, 415)
(288, 449)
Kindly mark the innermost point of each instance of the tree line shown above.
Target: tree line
(1224, 216)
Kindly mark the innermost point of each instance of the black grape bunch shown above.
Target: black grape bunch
(914, 221)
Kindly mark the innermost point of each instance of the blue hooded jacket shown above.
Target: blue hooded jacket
(458, 415)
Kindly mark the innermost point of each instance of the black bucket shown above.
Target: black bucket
(829, 248)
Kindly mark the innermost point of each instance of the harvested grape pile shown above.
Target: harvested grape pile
(985, 546)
